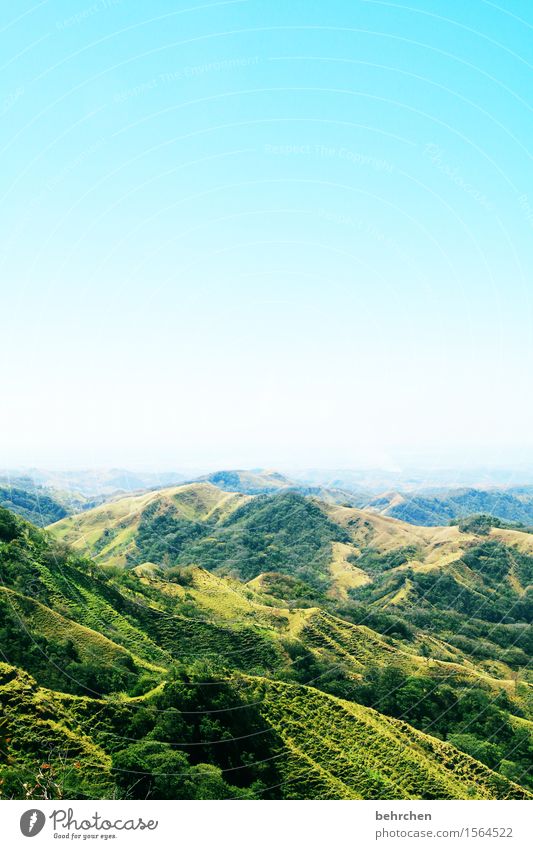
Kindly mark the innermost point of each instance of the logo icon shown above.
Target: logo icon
(32, 822)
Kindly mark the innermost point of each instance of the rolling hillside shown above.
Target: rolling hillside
(308, 745)
(473, 585)
(441, 508)
(265, 482)
(42, 504)
(144, 633)
(249, 482)
(125, 529)
(36, 504)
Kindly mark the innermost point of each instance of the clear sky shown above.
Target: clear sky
(266, 233)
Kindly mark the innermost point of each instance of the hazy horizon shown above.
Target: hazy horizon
(371, 478)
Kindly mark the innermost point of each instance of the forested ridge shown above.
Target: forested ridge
(193, 643)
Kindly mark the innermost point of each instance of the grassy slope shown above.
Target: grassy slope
(330, 749)
(46, 742)
(38, 619)
(248, 482)
(108, 532)
(435, 551)
(200, 524)
(440, 508)
(222, 620)
(340, 750)
(344, 575)
(386, 534)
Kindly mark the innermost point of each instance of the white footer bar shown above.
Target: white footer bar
(254, 825)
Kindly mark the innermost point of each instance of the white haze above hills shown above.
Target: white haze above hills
(106, 481)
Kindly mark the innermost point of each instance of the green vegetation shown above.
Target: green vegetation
(483, 522)
(286, 533)
(34, 504)
(372, 560)
(221, 646)
(198, 737)
(469, 718)
(514, 507)
(249, 482)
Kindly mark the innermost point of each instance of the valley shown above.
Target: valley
(193, 642)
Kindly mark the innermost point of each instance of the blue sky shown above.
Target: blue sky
(253, 233)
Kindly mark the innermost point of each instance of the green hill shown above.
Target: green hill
(275, 620)
(248, 481)
(300, 744)
(153, 525)
(33, 503)
(199, 524)
(440, 508)
(265, 482)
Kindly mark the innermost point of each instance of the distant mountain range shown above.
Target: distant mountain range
(262, 482)
(418, 507)
(415, 479)
(94, 482)
(44, 497)
(440, 508)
